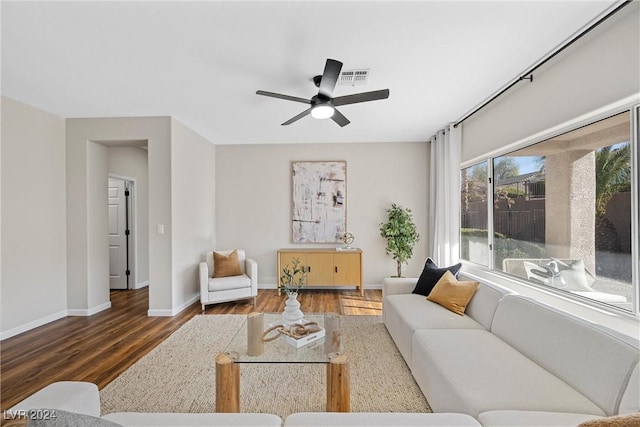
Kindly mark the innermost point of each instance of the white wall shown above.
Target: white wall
(34, 271)
(88, 291)
(132, 163)
(98, 229)
(253, 199)
(193, 209)
(601, 68)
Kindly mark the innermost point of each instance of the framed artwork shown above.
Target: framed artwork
(319, 201)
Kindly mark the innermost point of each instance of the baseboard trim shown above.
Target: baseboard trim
(141, 285)
(32, 325)
(89, 311)
(174, 311)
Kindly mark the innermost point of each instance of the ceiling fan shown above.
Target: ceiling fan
(323, 105)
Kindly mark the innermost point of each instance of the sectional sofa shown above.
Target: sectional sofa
(508, 361)
(76, 403)
(512, 361)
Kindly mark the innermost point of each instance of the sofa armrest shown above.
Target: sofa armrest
(204, 282)
(398, 285)
(71, 396)
(251, 268)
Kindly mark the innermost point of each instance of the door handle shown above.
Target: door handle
(336, 267)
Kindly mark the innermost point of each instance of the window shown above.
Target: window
(474, 234)
(559, 213)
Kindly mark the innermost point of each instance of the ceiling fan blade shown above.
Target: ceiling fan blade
(339, 118)
(361, 97)
(287, 97)
(298, 117)
(329, 77)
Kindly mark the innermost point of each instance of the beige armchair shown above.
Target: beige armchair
(230, 288)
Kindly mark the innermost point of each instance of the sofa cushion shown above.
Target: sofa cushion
(406, 313)
(482, 306)
(430, 276)
(532, 419)
(72, 396)
(225, 265)
(473, 371)
(452, 294)
(231, 282)
(570, 348)
(60, 418)
(631, 396)
(135, 419)
(378, 419)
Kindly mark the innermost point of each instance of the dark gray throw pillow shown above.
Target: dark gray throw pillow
(430, 276)
(58, 418)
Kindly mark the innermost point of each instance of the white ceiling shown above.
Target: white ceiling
(201, 62)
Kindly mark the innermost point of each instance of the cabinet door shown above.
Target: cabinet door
(321, 269)
(347, 269)
(285, 259)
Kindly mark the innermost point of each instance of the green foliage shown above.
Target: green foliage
(401, 234)
(613, 174)
(479, 172)
(505, 167)
(293, 277)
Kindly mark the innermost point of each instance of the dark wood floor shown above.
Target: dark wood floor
(99, 348)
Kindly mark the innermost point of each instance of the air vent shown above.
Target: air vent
(354, 77)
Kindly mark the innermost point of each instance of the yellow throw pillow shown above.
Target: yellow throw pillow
(226, 265)
(452, 294)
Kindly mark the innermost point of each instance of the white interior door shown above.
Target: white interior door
(117, 235)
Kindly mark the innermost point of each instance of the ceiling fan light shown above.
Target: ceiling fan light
(322, 111)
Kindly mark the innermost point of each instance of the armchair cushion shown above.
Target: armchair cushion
(225, 265)
(230, 288)
(230, 282)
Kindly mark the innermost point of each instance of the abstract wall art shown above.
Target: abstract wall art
(319, 201)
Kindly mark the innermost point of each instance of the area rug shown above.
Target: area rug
(179, 374)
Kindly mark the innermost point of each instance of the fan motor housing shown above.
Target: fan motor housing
(320, 100)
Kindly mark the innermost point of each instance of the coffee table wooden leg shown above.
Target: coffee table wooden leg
(227, 384)
(338, 384)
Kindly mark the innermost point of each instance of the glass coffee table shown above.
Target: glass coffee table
(247, 346)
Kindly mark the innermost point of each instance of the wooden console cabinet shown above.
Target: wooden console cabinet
(326, 267)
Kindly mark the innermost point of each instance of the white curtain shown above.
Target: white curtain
(444, 196)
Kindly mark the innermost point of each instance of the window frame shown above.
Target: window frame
(630, 106)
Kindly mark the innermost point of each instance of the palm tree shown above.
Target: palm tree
(613, 175)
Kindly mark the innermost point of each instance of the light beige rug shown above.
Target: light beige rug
(179, 374)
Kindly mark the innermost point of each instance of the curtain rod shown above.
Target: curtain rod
(527, 75)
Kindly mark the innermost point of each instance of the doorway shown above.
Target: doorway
(121, 235)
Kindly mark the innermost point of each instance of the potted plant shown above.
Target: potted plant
(401, 234)
(293, 278)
